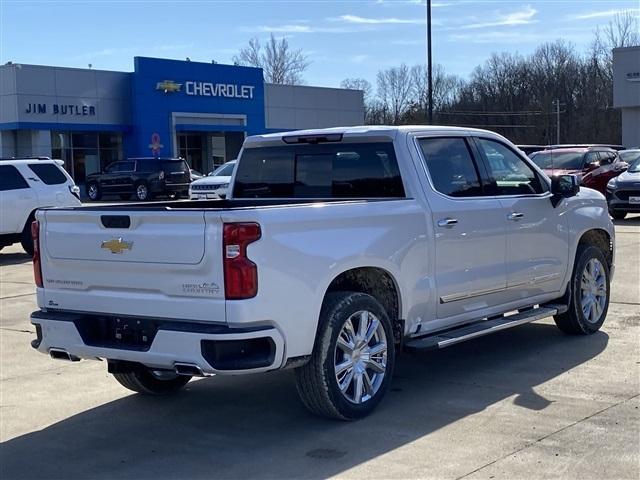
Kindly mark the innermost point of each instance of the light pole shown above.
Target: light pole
(556, 103)
(429, 69)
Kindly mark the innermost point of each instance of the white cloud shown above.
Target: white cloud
(602, 14)
(358, 20)
(297, 28)
(285, 29)
(359, 58)
(497, 37)
(519, 17)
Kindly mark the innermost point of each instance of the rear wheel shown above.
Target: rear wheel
(353, 358)
(618, 215)
(142, 192)
(590, 291)
(26, 239)
(93, 191)
(152, 382)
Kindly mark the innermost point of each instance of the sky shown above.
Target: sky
(341, 38)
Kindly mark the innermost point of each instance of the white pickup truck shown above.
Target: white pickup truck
(335, 250)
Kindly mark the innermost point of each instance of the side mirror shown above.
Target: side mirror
(591, 166)
(564, 186)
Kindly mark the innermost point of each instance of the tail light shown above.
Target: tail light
(37, 266)
(240, 273)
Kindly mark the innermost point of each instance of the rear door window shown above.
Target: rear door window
(49, 174)
(11, 179)
(345, 170)
(451, 167)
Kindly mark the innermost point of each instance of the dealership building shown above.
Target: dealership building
(626, 92)
(198, 111)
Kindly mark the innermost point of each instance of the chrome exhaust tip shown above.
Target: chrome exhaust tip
(60, 354)
(190, 369)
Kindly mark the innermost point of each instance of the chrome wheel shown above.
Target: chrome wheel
(593, 290)
(93, 191)
(142, 192)
(360, 357)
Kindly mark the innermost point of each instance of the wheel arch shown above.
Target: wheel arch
(377, 282)
(600, 238)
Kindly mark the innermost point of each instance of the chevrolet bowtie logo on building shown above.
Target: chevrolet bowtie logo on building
(169, 86)
(116, 245)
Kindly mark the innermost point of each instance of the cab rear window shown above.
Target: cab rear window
(49, 174)
(344, 170)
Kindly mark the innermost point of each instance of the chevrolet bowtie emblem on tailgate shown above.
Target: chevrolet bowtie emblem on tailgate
(116, 245)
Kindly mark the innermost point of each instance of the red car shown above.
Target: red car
(594, 165)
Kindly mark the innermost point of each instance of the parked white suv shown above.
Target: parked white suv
(214, 185)
(336, 250)
(26, 185)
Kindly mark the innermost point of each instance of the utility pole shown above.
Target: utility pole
(429, 69)
(556, 103)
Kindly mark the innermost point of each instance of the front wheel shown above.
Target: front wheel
(590, 292)
(353, 358)
(152, 382)
(93, 191)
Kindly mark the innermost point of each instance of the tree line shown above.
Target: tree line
(512, 94)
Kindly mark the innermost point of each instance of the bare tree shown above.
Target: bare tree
(394, 92)
(358, 84)
(445, 87)
(622, 31)
(280, 63)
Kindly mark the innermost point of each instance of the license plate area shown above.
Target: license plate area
(634, 199)
(117, 332)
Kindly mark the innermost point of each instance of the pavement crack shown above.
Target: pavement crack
(530, 444)
(17, 330)
(17, 296)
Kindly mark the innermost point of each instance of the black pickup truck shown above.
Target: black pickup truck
(142, 178)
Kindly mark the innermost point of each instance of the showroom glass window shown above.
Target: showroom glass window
(86, 152)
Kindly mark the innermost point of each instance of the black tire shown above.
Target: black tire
(618, 215)
(142, 192)
(316, 381)
(125, 196)
(26, 239)
(145, 382)
(574, 321)
(94, 192)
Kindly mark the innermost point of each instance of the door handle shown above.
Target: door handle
(515, 216)
(447, 222)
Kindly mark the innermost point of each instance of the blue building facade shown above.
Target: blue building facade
(199, 111)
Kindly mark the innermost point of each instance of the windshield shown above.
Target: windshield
(225, 170)
(630, 156)
(635, 166)
(562, 161)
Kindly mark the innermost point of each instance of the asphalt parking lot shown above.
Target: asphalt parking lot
(525, 403)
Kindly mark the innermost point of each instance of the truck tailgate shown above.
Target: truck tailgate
(139, 263)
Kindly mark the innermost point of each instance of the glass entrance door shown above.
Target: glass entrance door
(190, 147)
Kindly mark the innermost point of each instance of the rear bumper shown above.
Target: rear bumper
(161, 187)
(213, 348)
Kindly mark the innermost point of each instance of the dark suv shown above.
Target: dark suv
(142, 178)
